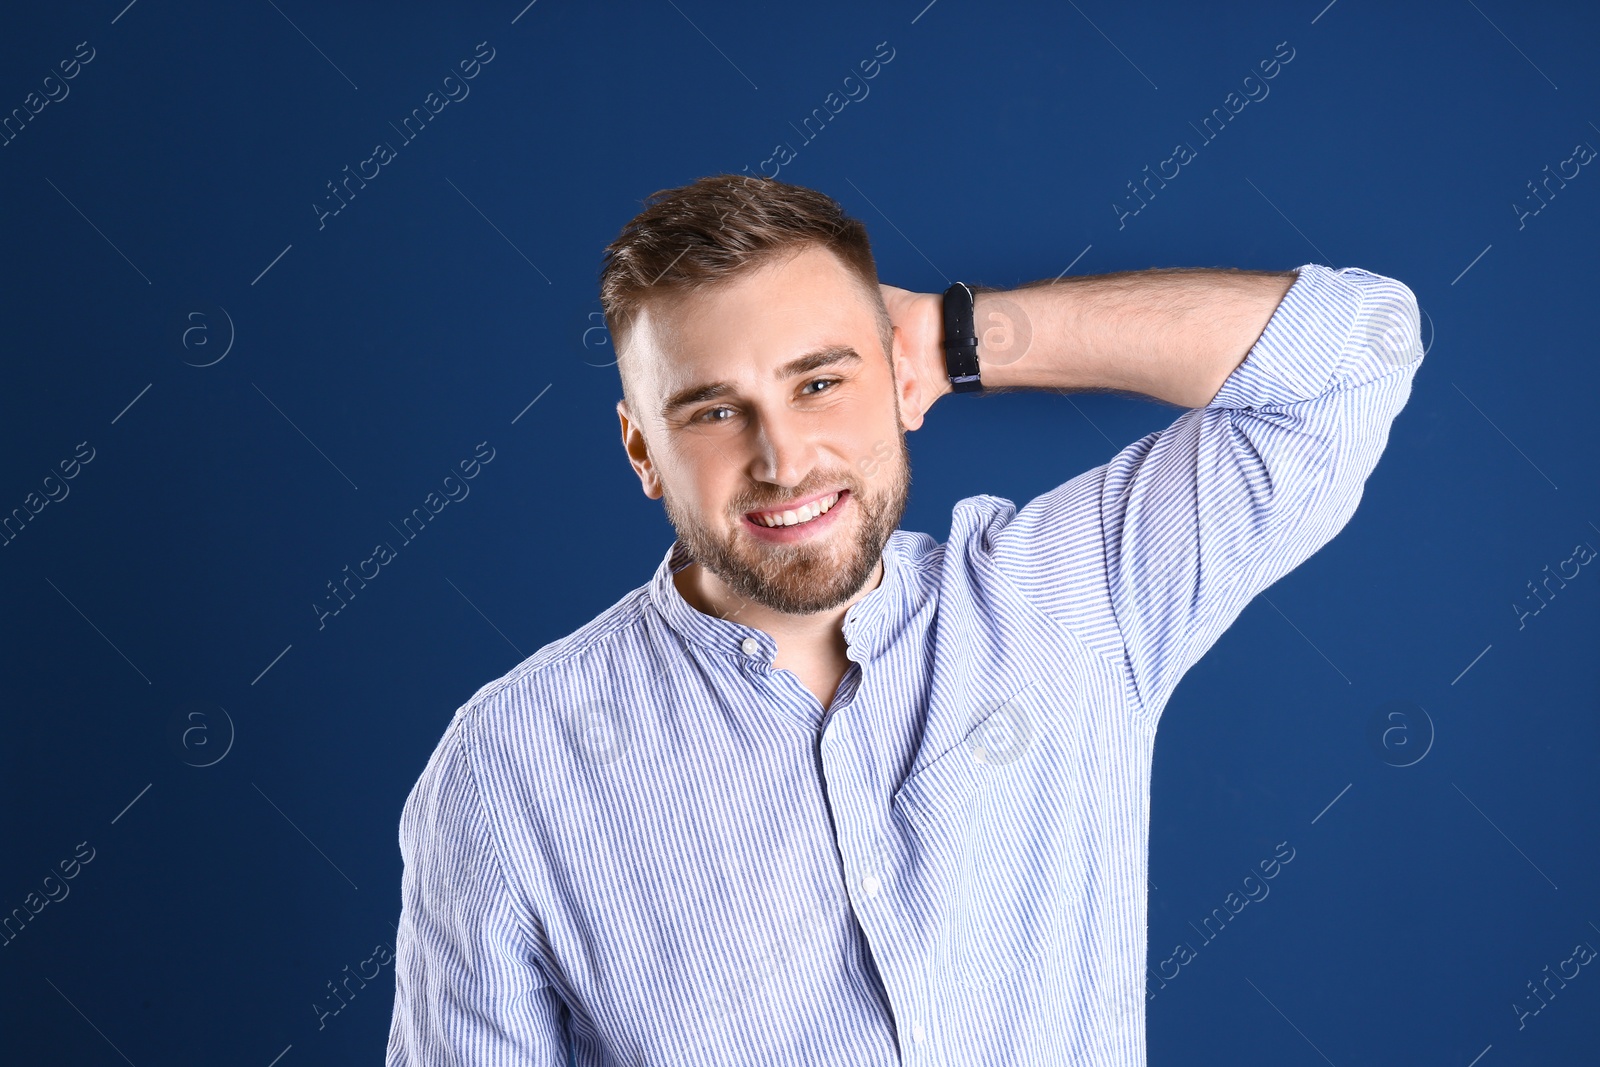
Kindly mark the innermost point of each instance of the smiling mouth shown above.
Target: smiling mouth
(797, 516)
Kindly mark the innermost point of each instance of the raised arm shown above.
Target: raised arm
(1172, 335)
(1168, 334)
(1149, 557)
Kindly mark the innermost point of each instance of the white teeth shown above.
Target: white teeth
(799, 515)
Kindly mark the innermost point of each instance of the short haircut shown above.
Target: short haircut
(713, 231)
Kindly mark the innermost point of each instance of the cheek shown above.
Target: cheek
(709, 493)
(875, 459)
(698, 473)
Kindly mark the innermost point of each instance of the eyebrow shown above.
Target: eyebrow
(822, 357)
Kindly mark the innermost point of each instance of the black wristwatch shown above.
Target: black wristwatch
(960, 340)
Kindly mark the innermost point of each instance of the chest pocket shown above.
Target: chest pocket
(995, 814)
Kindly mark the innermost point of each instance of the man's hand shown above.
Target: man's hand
(918, 319)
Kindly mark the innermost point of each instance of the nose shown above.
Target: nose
(785, 452)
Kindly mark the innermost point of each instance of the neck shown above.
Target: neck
(707, 594)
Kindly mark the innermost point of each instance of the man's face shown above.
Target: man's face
(765, 436)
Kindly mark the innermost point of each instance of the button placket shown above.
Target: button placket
(868, 875)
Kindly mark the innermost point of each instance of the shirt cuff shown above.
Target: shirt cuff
(1318, 338)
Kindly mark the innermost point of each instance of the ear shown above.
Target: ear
(907, 384)
(638, 450)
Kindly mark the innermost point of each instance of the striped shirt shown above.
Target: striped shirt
(645, 846)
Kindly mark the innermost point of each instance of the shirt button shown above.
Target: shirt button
(871, 884)
(917, 1033)
(750, 646)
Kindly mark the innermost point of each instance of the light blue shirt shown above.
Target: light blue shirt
(644, 845)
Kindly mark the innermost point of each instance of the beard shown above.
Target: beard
(818, 574)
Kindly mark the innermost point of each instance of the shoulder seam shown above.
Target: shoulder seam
(553, 656)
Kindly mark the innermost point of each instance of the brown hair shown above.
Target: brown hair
(714, 230)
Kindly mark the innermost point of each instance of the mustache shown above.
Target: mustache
(771, 505)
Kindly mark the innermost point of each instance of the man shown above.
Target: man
(824, 791)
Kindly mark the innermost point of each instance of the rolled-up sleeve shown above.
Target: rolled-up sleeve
(468, 985)
(1155, 553)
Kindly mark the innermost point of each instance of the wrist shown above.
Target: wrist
(927, 350)
(934, 359)
(1005, 333)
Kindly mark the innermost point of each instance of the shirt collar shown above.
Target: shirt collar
(867, 624)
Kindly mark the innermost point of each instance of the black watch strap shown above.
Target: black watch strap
(961, 340)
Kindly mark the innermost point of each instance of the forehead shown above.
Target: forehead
(741, 331)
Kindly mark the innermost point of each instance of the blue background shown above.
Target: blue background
(164, 209)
